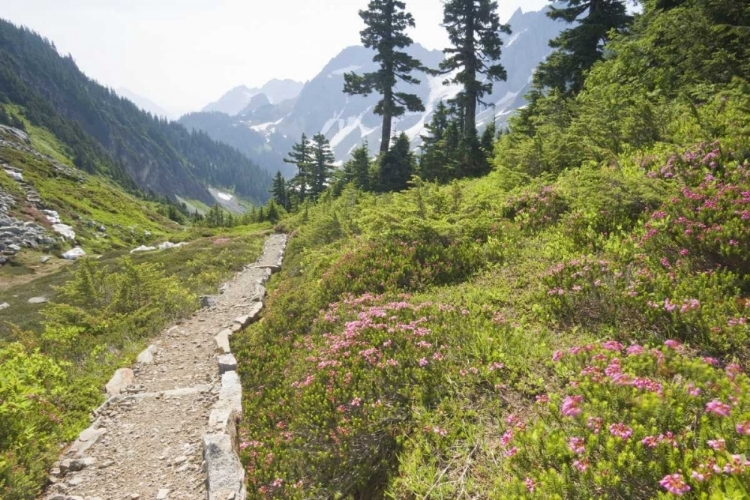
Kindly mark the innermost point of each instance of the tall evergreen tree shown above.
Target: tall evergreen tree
(386, 22)
(578, 48)
(474, 31)
(434, 163)
(301, 155)
(357, 169)
(279, 191)
(396, 166)
(321, 166)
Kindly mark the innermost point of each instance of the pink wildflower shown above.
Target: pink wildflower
(356, 402)
(530, 484)
(733, 369)
(634, 350)
(711, 361)
(511, 452)
(612, 345)
(743, 428)
(423, 362)
(718, 408)
(581, 464)
(717, 444)
(595, 424)
(542, 398)
(570, 406)
(650, 441)
(620, 430)
(506, 438)
(698, 476)
(672, 344)
(675, 484)
(576, 445)
(557, 356)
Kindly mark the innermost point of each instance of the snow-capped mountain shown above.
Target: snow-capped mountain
(347, 121)
(235, 101)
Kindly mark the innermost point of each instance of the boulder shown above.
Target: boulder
(74, 254)
(120, 381)
(147, 356)
(208, 301)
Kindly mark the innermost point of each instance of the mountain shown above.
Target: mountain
(108, 134)
(348, 120)
(235, 101)
(145, 103)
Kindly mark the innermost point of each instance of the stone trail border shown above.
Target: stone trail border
(168, 429)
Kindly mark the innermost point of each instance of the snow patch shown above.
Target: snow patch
(224, 196)
(347, 69)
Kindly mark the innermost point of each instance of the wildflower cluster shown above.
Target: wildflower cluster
(635, 422)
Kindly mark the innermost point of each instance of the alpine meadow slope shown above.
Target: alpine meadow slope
(572, 325)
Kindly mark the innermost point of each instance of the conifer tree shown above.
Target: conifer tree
(279, 191)
(357, 169)
(474, 31)
(273, 213)
(301, 156)
(396, 166)
(386, 22)
(578, 48)
(434, 160)
(321, 165)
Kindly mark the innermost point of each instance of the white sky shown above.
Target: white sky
(183, 54)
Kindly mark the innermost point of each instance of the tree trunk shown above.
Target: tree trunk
(385, 140)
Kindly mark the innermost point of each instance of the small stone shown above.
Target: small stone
(162, 494)
(208, 301)
(38, 300)
(180, 460)
(76, 481)
(134, 496)
(74, 254)
(4, 305)
(45, 259)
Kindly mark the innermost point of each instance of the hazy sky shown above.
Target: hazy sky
(183, 54)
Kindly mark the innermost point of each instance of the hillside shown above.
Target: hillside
(573, 325)
(110, 135)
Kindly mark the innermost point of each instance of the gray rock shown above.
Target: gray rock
(102, 228)
(147, 356)
(4, 305)
(222, 341)
(120, 381)
(225, 474)
(14, 248)
(45, 259)
(208, 301)
(227, 363)
(76, 481)
(38, 300)
(74, 254)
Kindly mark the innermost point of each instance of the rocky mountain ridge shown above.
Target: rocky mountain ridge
(347, 121)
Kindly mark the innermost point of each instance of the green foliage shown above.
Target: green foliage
(578, 48)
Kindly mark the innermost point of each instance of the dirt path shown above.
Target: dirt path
(147, 443)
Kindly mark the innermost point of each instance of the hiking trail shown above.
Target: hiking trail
(168, 429)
